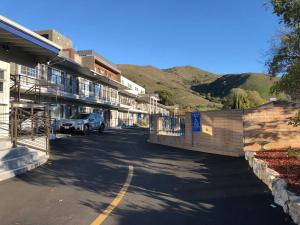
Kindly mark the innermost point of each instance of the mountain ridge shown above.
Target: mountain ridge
(191, 85)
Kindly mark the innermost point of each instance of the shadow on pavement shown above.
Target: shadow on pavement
(170, 186)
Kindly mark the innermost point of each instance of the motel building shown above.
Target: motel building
(22, 46)
(43, 80)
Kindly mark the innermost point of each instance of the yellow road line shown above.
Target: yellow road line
(100, 219)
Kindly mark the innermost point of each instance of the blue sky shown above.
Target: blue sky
(220, 36)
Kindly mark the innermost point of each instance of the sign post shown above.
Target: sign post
(196, 124)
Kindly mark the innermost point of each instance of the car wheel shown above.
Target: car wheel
(102, 127)
(85, 129)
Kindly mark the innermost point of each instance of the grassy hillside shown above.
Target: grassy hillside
(177, 80)
(191, 86)
(192, 75)
(247, 81)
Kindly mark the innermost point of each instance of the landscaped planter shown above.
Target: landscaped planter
(289, 201)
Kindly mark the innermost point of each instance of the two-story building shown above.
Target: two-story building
(84, 81)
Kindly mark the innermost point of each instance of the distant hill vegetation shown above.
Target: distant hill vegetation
(192, 75)
(174, 83)
(222, 86)
(192, 87)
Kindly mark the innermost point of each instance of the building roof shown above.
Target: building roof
(99, 58)
(18, 41)
(70, 64)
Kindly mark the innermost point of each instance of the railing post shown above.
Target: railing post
(15, 126)
(19, 88)
(32, 128)
(47, 129)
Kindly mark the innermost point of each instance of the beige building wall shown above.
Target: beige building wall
(88, 61)
(56, 37)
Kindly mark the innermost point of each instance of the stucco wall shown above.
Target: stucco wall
(231, 132)
(271, 125)
(222, 133)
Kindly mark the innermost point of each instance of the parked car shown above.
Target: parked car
(83, 123)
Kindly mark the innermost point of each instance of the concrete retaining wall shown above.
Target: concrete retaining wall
(289, 201)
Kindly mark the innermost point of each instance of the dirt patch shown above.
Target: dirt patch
(287, 166)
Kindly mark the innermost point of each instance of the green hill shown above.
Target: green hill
(191, 86)
(247, 81)
(192, 75)
(177, 80)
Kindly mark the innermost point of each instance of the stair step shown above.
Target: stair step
(6, 174)
(13, 153)
(13, 163)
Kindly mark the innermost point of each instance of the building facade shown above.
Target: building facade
(43, 77)
(84, 81)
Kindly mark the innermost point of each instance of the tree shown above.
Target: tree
(166, 97)
(255, 99)
(286, 56)
(237, 99)
(285, 59)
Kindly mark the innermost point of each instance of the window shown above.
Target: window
(76, 85)
(92, 117)
(70, 88)
(97, 90)
(28, 71)
(86, 86)
(55, 76)
(45, 36)
(91, 86)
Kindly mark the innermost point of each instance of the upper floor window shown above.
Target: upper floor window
(91, 86)
(86, 84)
(55, 76)
(28, 71)
(98, 89)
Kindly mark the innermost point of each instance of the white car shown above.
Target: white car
(83, 123)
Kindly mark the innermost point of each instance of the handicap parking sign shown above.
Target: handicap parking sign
(196, 124)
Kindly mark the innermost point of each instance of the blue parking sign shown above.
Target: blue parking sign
(196, 123)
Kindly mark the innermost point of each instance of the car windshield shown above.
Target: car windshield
(80, 116)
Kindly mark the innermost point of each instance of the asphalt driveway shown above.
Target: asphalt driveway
(169, 186)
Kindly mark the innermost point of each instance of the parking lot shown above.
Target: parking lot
(168, 186)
